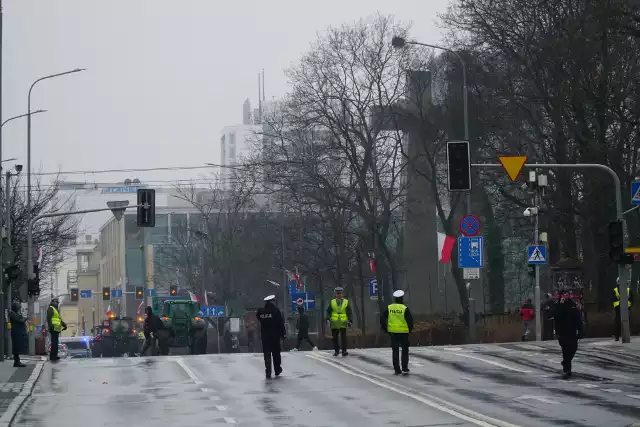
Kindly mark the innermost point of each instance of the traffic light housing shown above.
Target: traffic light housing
(33, 283)
(12, 272)
(74, 294)
(532, 271)
(106, 293)
(616, 241)
(459, 165)
(139, 292)
(146, 215)
(173, 291)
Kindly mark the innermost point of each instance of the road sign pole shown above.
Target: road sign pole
(622, 270)
(536, 292)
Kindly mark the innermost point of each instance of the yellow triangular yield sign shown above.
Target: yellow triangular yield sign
(513, 165)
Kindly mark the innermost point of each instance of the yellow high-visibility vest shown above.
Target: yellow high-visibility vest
(56, 320)
(617, 302)
(339, 314)
(396, 323)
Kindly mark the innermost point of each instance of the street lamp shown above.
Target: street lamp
(21, 116)
(400, 42)
(29, 213)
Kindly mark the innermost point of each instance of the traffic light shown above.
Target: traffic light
(33, 283)
(532, 271)
(173, 291)
(139, 292)
(459, 165)
(12, 272)
(106, 293)
(616, 241)
(146, 215)
(74, 294)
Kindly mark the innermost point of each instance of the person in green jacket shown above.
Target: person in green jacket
(397, 321)
(339, 317)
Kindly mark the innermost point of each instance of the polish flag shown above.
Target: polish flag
(445, 246)
(295, 276)
(140, 307)
(193, 297)
(109, 312)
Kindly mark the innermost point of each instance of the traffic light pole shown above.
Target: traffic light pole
(32, 337)
(622, 270)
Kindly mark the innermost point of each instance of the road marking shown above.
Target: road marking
(624, 377)
(216, 398)
(453, 348)
(633, 396)
(538, 398)
(180, 361)
(16, 403)
(221, 408)
(491, 362)
(611, 390)
(588, 385)
(415, 364)
(535, 348)
(432, 401)
(230, 420)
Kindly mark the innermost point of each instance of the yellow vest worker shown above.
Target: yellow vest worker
(339, 317)
(617, 321)
(56, 326)
(398, 323)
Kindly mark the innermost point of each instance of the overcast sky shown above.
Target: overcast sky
(163, 77)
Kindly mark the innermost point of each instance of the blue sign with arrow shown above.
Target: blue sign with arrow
(212, 311)
(116, 293)
(151, 292)
(85, 293)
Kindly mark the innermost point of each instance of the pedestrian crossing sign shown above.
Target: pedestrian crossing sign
(537, 254)
(635, 193)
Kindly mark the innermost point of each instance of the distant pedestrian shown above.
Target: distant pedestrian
(303, 329)
(272, 331)
(615, 298)
(397, 321)
(527, 313)
(56, 326)
(548, 306)
(339, 317)
(19, 334)
(568, 325)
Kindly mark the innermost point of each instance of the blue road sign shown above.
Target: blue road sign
(212, 311)
(308, 301)
(151, 292)
(471, 252)
(469, 225)
(635, 193)
(373, 288)
(537, 254)
(116, 293)
(85, 293)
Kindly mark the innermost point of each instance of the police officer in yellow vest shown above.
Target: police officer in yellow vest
(617, 324)
(56, 326)
(339, 317)
(397, 321)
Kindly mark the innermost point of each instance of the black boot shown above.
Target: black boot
(16, 362)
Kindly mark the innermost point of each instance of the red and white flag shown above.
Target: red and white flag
(206, 300)
(445, 246)
(140, 307)
(109, 312)
(193, 296)
(294, 277)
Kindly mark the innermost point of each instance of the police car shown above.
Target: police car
(77, 347)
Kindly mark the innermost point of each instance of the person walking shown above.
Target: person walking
(272, 331)
(547, 317)
(339, 317)
(19, 334)
(615, 299)
(397, 321)
(527, 313)
(56, 326)
(303, 329)
(568, 325)
(150, 328)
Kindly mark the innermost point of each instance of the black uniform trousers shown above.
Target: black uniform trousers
(342, 333)
(271, 352)
(617, 323)
(569, 346)
(55, 339)
(303, 336)
(399, 341)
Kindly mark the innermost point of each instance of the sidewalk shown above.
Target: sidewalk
(16, 385)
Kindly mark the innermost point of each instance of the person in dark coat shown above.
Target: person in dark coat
(56, 326)
(568, 324)
(303, 329)
(397, 321)
(19, 334)
(547, 317)
(150, 327)
(272, 331)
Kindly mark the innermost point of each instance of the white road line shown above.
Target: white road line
(588, 385)
(221, 408)
(624, 377)
(633, 396)
(180, 361)
(453, 348)
(27, 389)
(542, 399)
(491, 362)
(215, 398)
(415, 364)
(611, 390)
(230, 420)
(530, 347)
(432, 401)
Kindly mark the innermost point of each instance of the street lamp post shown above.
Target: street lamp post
(29, 213)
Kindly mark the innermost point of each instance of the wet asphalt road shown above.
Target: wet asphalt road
(486, 385)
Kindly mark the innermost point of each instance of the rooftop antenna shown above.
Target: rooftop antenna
(259, 100)
(263, 98)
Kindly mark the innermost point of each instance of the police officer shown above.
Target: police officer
(339, 317)
(397, 321)
(272, 331)
(56, 326)
(615, 298)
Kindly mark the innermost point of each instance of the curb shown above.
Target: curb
(11, 412)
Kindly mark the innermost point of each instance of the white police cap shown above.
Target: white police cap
(398, 293)
(270, 298)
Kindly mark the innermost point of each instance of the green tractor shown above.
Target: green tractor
(182, 325)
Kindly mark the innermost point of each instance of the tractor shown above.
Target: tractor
(182, 325)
